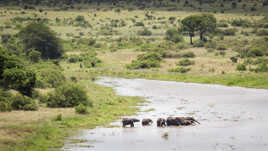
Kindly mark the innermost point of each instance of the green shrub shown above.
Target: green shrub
(22, 102)
(145, 32)
(89, 60)
(234, 59)
(256, 52)
(185, 62)
(188, 54)
(221, 47)
(173, 35)
(58, 117)
(49, 77)
(241, 22)
(148, 60)
(262, 32)
(5, 101)
(19, 79)
(262, 68)
(139, 24)
(179, 69)
(211, 44)
(241, 67)
(68, 95)
(222, 24)
(199, 43)
(80, 18)
(81, 109)
(230, 32)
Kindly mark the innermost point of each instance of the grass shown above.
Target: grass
(38, 131)
(250, 80)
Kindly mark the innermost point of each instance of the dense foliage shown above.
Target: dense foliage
(39, 37)
(68, 95)
(148, 60)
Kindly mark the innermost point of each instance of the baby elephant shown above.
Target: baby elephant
(161, 122)
(146, 122)
(129, 121)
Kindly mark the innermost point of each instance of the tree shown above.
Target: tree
(173, 35)
(68, 95)
(207, 25)
(190, 25)
(35, 56)
(39, 37)
(19, 79)
(203, 24)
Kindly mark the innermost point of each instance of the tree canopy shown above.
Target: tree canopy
(13, 75)
(40, 37)
(203, 24)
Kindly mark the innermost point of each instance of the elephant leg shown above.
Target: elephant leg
(132, 124)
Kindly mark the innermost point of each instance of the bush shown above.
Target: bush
(19, 79)
(211, 44)
(22, 102)
(80, 18)
(179, 69)
(49, 77)
(185, 62)
(262, 32)
(145, 32)
(81, 109)
(189, 54)
(221, 47)
(139, 24)
(89, 60)
(199, 43)
(5, 101)
(222, 24)
(148, 60)
(58, 117)
(39, 37)
(230, 32)
(241, 67)
(241, 22)
(256, 52)
(173, 35)
(262, 68)
(68, 95)
(234, 59)
(35, 56)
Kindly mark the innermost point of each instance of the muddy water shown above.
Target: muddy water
(232, 118)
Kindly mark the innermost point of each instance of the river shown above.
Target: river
(232, 118)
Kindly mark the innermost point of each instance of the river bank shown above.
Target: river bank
(42, 131)
(232, 118)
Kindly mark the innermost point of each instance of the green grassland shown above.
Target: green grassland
(112, 33)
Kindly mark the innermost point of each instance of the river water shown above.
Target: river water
(232, 118)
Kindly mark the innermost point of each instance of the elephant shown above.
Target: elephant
(129, 121)
(161, 122)
(146, 122)
(190, 121)
(174, 121)
(181, 121)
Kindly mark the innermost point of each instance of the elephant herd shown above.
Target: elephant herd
(161, 122)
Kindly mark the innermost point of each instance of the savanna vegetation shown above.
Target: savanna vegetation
(51, 51)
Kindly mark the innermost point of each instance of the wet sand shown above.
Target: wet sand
(232, 118)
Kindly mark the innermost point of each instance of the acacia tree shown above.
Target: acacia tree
(190, 25)
(207, 25)
(203, 24)
(40, 37)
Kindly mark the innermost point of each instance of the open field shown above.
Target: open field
(113, 37)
